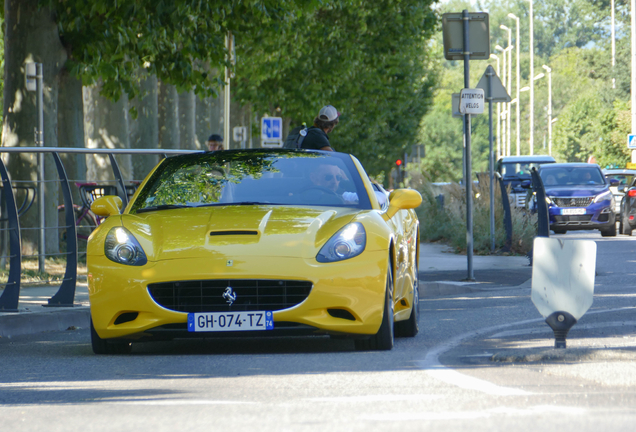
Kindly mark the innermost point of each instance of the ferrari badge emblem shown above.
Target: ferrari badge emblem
(229, 295)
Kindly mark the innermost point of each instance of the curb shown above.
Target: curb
(36, 322)
(440, 289)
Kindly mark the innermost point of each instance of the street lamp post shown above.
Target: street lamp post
(518, 44)
(496, 57)
(549, 71)
(531, 139)
(509, 85)
(504, 113)
(613, 46)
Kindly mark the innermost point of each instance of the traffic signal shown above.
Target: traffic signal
(399, 174)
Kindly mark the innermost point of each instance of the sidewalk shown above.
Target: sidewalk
(441, 272)
(33, 317)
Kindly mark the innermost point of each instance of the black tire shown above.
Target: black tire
(627, 228)
(610, 232)
(620, 224)
(102, 346)
(383, 339)
(411, 327)
(85, 224)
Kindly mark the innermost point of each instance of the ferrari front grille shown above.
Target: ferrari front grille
(229, 295)
(573, 202)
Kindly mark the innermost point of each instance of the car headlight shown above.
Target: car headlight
(123, 248)
(607, 195)
(549, 200)
(346, 243)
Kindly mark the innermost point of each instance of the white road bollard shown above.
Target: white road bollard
(563, 282)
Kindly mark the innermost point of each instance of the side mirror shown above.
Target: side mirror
(526, 184)
(401, 199)
(107, 205)
(614, 182)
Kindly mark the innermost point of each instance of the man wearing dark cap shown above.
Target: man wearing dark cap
(317, 136)
(215, 142)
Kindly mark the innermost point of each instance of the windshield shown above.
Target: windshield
(562, 176)
(252, 178)
(518, 169)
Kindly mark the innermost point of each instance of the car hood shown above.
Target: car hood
(232, 231)
(575, 191)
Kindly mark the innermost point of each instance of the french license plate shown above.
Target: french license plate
(573, 211)
(230, 321)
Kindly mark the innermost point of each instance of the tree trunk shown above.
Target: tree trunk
(145, 129)
(106, 126)
(168, 117)
(203, 121)
(31, 36)
(187, 118)
(216, 114)
(70, 131)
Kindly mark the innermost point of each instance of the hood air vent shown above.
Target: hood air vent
(227, 233)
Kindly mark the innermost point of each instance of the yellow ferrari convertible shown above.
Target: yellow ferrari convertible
(252, 243)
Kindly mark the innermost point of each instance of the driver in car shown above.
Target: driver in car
(329, 177)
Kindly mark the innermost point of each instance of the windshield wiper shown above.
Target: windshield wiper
(161, 207)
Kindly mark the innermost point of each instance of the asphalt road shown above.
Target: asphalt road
(483, 361)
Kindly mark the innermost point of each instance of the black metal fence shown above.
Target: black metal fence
(65, 296)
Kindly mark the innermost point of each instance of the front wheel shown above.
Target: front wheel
(383, 339)
(627, 228)
(103, 346)
(610, 232)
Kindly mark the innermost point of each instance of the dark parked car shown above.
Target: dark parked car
(579, 198)
(514, 170)
(627, 215)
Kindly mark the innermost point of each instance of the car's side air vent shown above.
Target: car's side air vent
(126, 317)
(226, 233)
(341, 313)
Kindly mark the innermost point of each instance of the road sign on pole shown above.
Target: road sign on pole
(471, 101)
(631, 141)
(272, 132)
(467, 36)
(496, 92)
(453, 33)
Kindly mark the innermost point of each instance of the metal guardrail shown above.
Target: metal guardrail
(66, 294)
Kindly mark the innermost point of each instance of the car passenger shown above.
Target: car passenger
(318, 135)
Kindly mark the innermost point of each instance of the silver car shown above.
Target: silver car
(624, 178)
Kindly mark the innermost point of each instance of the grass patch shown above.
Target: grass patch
(53, 274)
(447, 222)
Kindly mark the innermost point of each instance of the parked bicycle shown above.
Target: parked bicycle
(85, 220)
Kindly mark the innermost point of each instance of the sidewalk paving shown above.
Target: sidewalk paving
(441, 272)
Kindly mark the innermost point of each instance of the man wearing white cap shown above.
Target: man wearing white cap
(317, 136)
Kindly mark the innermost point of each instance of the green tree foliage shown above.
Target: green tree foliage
(369, 59)
(182, 42)
(573, 38)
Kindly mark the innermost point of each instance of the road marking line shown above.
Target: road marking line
(469, 415)
(376, 398)
(434, 368)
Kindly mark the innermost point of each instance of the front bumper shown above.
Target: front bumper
(597, 216)
(356, 286)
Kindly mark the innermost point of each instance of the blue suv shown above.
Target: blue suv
(578, 198)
